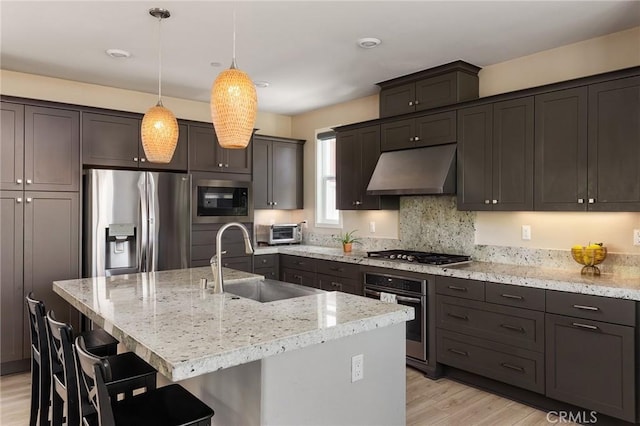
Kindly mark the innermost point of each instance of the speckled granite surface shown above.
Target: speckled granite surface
(611, 285)
(184, 331)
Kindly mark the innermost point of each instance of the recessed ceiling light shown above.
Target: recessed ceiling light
(368, 42)
(215, 64)
(262, 84)
(118, 53)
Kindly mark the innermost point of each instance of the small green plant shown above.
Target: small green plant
(348, 237)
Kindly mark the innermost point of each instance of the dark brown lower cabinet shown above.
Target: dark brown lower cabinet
(266, 265)
(40, 244)
(591, 364)
(296, 276)
(203, 246)
(333, 283)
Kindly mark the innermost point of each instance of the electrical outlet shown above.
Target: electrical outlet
(357, 367)
(636, 237)
(526, 232)
(372, 227)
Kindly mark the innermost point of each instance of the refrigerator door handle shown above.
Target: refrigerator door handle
(152, 242)
(143, 223)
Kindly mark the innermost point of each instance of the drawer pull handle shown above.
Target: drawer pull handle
(513, 328)
(264, 260)
(458, 352)
(456, 316)
(337, 269)
(512, 367)
(586, 308)
(298, 277)
(587, 326)
(337, 285)
(456, 288)
(512, 296)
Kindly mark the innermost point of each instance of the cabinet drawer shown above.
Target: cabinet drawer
(460, 287)
(296, 276)
(516, 327)
(346, 285)
(265, 260)
(517, 367)
(298, 262)
(513, 295)
(607, 309)
(338, 269)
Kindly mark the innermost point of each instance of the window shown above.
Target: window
(326, 213)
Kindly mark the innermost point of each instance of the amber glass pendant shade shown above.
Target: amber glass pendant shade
(234, 104)
(159, 133)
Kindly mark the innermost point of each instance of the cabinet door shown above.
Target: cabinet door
(369, 152)
(109, 140)
(591, 364)
(347, 169)
(262, 173)
(397, 100)
(561, 150)
(237, 160)
(513, 155)
(180, 155)
(11, 146)
(204, 151)
(12, 317)
(436, 91)
(397, 135)
(286, 175)
(242, 263)
(51, 245)
(475, 128)
(296, 276)
(614, 147)
(435, 129)
(51, 149)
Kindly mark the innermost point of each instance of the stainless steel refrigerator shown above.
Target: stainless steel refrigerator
(135, 221)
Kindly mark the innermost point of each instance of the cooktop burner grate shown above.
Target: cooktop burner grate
(419, 257)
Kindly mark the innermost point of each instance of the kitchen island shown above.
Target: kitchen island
(282, 362)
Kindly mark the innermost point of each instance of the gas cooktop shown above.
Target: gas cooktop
(420, 257)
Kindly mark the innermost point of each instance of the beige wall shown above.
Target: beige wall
(73, 92)
(549, 230)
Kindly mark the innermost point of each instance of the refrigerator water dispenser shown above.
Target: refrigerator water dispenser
(120, 248)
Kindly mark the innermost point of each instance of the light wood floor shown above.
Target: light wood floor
(429, 402)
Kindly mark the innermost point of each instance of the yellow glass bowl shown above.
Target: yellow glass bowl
(589, 257)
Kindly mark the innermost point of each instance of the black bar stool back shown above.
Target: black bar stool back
(167, 406)
(40, 367)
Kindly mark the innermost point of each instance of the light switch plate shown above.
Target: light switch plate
(636, 237)
(526, 232)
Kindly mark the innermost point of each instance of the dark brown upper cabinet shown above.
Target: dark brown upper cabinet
(443, 85)
(277, 173)
(495, 156)
(613, 174)
(206, 154)
(114, 141)
(428, 130)
(357, 153)
(40, 148)
(587, 151)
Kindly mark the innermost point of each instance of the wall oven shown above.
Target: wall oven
(221, 201)
(410, 292)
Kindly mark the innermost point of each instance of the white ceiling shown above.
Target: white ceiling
(306, 49)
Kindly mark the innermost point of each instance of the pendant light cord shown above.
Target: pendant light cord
(159, 60)
(233, 56)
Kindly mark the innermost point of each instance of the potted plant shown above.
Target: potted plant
(347, 240)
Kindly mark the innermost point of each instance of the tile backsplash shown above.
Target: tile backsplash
(434, 224)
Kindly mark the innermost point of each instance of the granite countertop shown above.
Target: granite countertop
(547, 278)
(184, 331)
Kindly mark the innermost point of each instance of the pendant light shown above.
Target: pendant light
(159, 130)
(234, 104)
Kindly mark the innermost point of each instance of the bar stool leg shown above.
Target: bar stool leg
(35, 393)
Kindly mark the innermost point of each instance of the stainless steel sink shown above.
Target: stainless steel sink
(269, 290)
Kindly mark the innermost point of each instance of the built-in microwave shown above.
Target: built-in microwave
(220, 201)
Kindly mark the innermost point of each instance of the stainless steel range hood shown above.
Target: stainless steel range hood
(420, 171)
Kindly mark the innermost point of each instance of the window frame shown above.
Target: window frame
(321, 220)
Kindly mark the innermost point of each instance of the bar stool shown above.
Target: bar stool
(170, 405)
(41, 362)
(129, 373)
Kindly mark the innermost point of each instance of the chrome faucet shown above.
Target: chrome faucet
(216, 265)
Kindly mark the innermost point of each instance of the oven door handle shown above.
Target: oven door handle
(399, 298)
